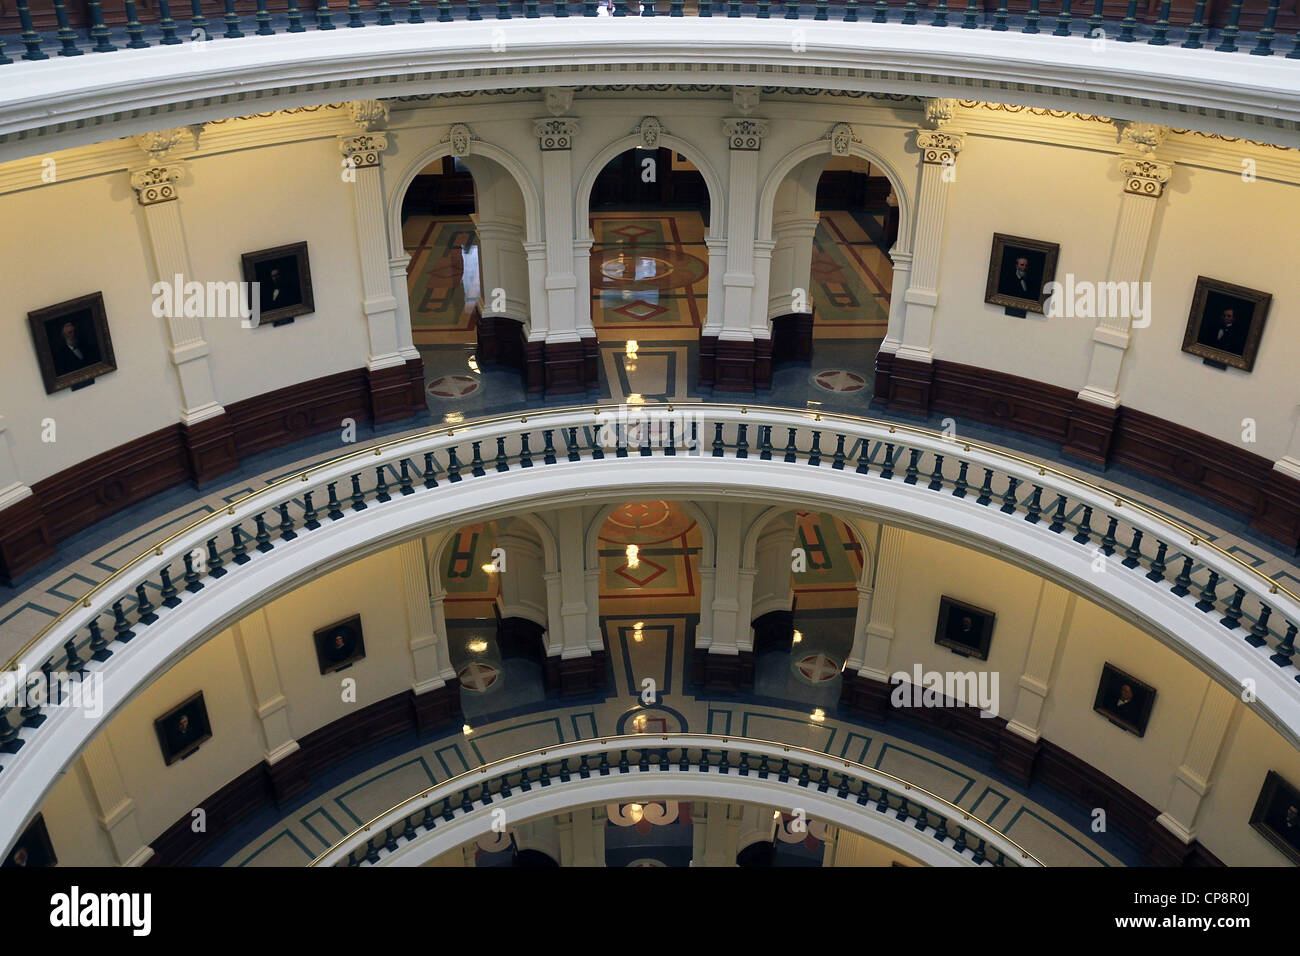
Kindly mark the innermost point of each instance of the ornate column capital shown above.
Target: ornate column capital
(1142, 139)
(650, 129)
(745, 133)
(555, 133)
(1145, 177)
(841, 138)
(369, 115)
(364, 149)
(156, 183)
(939, 148)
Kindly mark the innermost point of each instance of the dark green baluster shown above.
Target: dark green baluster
(381, 484)
(1228, 38)
(684, 762)
(448, 813)
(192, 582)
(837, 460)
(262, 537)
(430, 473)
(144, 608)
(1032, 17)
(815, 452)
(286, 523)
(466, 804)
(584, 771)
(358, 496)
(887, 467)
(404, 478)
(671, 447)
(882, 804)
(783, 774)
(1133, 554)
(620, 8)
(979, 856)
(960, 843)
(824, 783)
(501, 459)
(1264, 38)
(453, 465)
(548, 450)
(485, 793)
(334, 513)
(1058, 519)
(1285, 650)
(1160, 32)
(32, 40)
(970, 19)
(705, 8)
(643, 763)
(231, 20)
(763, 769)
(263, 18)
(742, 441)
(1195, 29)
(474, 13)
(98, 31)
(1157, 572)
(864, 457)
(792, 9)
(1183, 582)
(623, 765)
(121, 629)
(197, 20)
(415, 12)
(215, 568)
(525, 453)
(238, 550)
(904, 810)
(385, 10)
(1000, 17)
(561, 8)
(1063, 20)
(851, 11)
(597, 452)
(134, 31)
(1208, 598)
(1129, 23)
(823, 10)
(765, 442)
(354, 15)
(791, 452)
(742, 768)
(604, 764)
(1108, 540)
(718, 444)
(909, 12)
(1295, 48)
(444, 11)
(724, 765)
(170, 596)
(1258, 635)
(504, 790)
(503, 9)
(763, 9)
(1009, 497)
(1034, 507)
(564, 770)
(936, 476)
(571, 442)
(544, 778)
(986, 490)
(310, 517)
(940, 14)
(961, 485)
(1084, 535)
(476, 462)
(882, 8)
(941, 831)
(843, 791)
(803, 776)
(910, 473)
(644, 448)
(648, 8)
(922, 819)
(663, 759)
(1232, 614)
(98, 646)
(704, 761)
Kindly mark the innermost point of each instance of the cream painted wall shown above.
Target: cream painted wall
(1216, 225)
(1053, 193)
(72, 820)
(48, 254)
(854, 849)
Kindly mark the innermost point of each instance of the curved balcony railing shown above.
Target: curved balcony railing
(1211, 606)
(41, 29)
(462, 808)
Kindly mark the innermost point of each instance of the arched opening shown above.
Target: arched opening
(834, 220)
(648, 601)
(649, 213)
(653, 833)
(463, 222)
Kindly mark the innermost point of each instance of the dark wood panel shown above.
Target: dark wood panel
(1021, 404)
(299, 411)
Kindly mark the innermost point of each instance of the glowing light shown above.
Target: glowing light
(818, 715)
(636, 631)
(473, 363)
(466, 730)
(638, 723)
(477, 646)
(489, 568)
(635, 399)
(631, 348)
(636, 812)
(633, 561)
(454, 417)
(798, 636)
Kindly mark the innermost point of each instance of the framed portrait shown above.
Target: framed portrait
(1019, 270)
(73, 346)
(964, 628)
(1277, 815)
(283, 289)
(1124, 700)
(183, 729)
(1226, 323)
(33, 847)
(340, 645)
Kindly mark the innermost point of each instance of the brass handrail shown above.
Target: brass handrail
(485, 770)
(1194, 539)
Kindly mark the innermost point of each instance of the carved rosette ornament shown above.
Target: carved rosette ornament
(369, 115)
(939, 148)
(1140, 138)
(841, 137)
(650, 130)
(460, 135)
(155, 184)
(939, 112)
(744, 133)
(555, 133)
(1145, 177)
(363, 150)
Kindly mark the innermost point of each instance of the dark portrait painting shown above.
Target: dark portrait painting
(340, 645)
(1019, 269)
(283, 277)
(33, 847)
(183, 729)
(73, 347)
(1226, 323)
(964, 628)
(1124, 700)
(1277, 815)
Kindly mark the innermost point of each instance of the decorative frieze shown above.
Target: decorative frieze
(556, 133)
(939, 149)
(363, 150)
(161, 143)
(1145, 177)
(155, 184)
(744, 133)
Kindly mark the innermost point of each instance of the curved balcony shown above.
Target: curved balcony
(1224, 70)
(1120, 554)
(697, 766)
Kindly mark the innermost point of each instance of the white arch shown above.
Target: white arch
(708, 542)
(767, 195)
(717, 196)
(532, 197)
